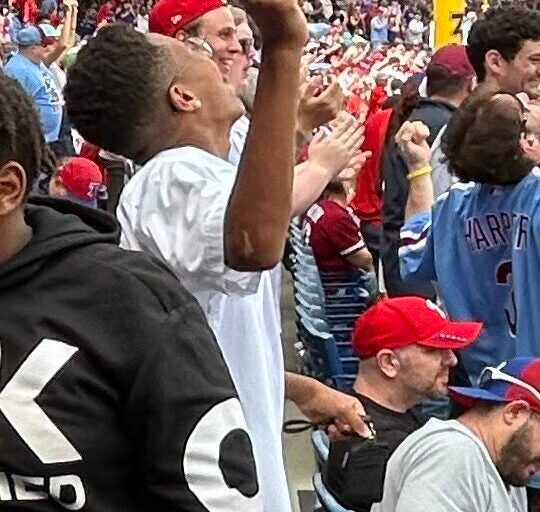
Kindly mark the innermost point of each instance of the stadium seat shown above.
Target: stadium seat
(321, 445)
(328, 502)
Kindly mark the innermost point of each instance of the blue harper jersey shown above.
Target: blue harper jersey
(481, 245)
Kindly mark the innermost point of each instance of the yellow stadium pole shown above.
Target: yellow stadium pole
(448, 16)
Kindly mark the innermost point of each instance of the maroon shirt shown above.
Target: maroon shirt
(333, 233)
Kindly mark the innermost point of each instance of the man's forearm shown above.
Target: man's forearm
(309, 183)
(73, 27)
(324, 405)
(259, 210)
(297, 387)
(53, 53)
(66, 39)
(421, 196)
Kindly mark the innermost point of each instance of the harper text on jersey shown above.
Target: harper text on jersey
(497, 229)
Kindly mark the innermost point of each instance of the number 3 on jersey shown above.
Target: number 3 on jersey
(504, 278)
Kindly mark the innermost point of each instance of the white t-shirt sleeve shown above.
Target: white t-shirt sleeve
(177, 213)
(237, 138)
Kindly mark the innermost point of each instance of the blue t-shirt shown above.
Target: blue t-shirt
(15, 26)
(481, 245)
(38, 82)
(379, 30)
(49, 6)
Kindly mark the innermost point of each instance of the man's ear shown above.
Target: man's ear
(530, 145)
(12, 187)
(388, 363)
(494, 63)
(57, 188)
(183, 100)
(517, 412)
(181, 35)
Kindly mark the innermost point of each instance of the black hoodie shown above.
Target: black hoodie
(114, 395)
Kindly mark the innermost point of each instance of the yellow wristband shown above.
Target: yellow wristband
(419, 172)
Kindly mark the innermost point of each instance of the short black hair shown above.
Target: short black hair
(334, 186)
(482, 142)
(396, 84)
(21, 137)
(112, 88)
(41, 17)
(505, 30)
(440, 82)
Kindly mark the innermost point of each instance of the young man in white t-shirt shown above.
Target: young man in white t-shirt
(165, 105)
(480, 462)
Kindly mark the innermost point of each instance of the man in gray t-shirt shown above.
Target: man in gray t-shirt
(480, 462)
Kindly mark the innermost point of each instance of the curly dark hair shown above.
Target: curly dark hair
(21, 138)
(505, 30)
(482, 140)
(112, 89)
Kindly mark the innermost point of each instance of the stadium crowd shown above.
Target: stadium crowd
(156, 159)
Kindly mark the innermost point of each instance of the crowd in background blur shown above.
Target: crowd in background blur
(362, 44)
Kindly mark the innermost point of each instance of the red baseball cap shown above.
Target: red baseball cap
(454, 59)
(404, 321)
(82, 178)
(169, 16)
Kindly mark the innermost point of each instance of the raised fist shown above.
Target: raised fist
(412, 140)
(281, 22)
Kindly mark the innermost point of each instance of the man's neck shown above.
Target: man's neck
(383, 394)
(455, 101)
(491, 82)
(15, 236)
(214, 140)
(29, 57)
(216, 144)
(483, 431)
(339, 199)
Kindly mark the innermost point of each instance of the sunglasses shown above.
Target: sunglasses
(246, 44)
(490, 374)
(200, 45)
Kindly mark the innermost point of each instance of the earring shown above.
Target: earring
(197, 104)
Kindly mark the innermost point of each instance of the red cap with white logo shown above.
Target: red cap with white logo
(169, 16)
(82, 178)
(399, 322)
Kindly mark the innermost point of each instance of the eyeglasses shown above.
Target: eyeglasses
(490, 374)
(246, 43)
(200, 45)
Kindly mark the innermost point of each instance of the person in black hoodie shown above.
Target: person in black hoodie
(114, 396)
(450, 79)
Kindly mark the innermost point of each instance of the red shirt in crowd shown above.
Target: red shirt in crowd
(378, 97)
(104, 12)
(367, 202)
(333, 233)
(30, 11)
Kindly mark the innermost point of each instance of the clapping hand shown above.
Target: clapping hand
(339, 148)
(314, 109)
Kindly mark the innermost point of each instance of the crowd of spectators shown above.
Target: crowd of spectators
(147, 340)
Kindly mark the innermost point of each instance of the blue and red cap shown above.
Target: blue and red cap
(523, 384)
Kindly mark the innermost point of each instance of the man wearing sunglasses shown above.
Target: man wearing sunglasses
(480, 462)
